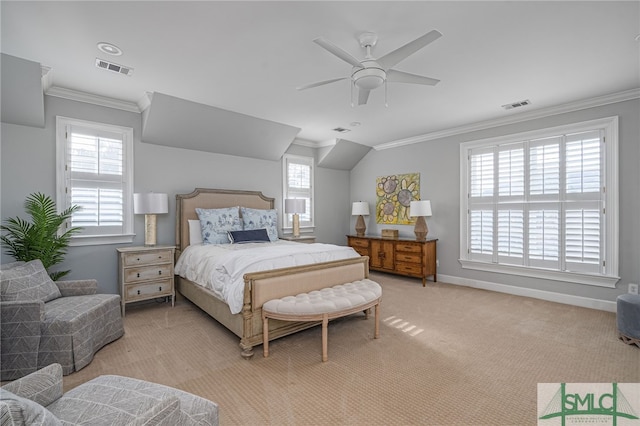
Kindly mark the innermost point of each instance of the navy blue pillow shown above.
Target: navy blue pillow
(249, 236)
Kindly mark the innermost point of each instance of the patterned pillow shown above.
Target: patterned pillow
(257, 219)
(29, 281)
(216, 224)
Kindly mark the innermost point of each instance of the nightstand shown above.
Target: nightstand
(146, 273)
(309, 239)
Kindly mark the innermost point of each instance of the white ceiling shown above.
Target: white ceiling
(249, 57)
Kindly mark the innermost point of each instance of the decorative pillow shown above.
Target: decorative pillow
(24, 411)
(29, 281)
(195, 232)
(216, 223)
(257, 219)
(249, 236)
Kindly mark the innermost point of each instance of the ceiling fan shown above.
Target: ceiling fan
(371, 73)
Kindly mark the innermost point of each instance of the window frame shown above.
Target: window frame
(63, 176)
(610, 214)
(287, 222)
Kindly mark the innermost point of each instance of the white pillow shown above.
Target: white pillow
(195, 232)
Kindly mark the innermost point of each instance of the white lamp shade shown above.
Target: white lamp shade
(360, 208)
(294, 205)
(150, 203)
(420, 208)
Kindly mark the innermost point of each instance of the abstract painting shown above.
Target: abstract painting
(394, 194)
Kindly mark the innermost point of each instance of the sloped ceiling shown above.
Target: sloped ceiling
(343, 155)
(176, 122)
(22, 93)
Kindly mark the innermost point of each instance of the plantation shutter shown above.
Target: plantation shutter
(299, 185)
(95, 165)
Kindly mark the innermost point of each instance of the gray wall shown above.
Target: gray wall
(438, 163)
(28, 164)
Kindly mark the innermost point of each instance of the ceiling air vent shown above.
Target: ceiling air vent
(110, 66)
(341, 130)
(517, 104)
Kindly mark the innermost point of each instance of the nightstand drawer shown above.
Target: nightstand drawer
(408, 257)
(145, 273)
(409, 268)
(143, 291)
(158, 256)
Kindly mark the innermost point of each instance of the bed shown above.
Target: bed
(258, 286)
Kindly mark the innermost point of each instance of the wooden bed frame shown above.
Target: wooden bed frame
(259, 287)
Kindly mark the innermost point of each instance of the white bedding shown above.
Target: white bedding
(221, 267)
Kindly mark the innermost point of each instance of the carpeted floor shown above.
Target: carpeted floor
(447, 355)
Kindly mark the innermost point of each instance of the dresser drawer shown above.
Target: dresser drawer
(408, 257)
(146, 273)
(414, 248)
(362, 251)
(409, 268)
(143, 291)
(158, 256)
(355, 242)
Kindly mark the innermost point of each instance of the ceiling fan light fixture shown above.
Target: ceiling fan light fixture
(369, 78)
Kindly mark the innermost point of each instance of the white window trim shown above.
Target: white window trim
(287, 225)
(611, 227)
(61, 182)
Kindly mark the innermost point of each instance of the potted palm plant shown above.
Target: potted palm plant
(39, 238)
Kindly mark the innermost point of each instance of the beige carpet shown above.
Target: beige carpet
(447, 355)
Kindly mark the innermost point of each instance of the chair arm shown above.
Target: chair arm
(30, 311)
(77, 287)
(43, 386)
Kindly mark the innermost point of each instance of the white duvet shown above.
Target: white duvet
(221, 267)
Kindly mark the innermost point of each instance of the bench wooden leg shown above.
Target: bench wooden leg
(265, 336)
(376, 333)
(325, 333)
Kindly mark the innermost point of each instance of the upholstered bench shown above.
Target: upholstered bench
(323, 305)
(628, 318)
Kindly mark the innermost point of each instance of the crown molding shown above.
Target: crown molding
(524, 116)
(75, 95)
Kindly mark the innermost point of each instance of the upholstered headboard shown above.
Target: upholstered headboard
(205, 198)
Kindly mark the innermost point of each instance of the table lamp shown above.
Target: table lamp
(420, 209)
(295, 206)
(150, 204)
(360, 208)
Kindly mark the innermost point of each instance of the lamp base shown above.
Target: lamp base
(360, 226)
(421, 229)
(150, 230)
(296, 225)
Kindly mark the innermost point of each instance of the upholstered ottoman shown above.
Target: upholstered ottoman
(628, 318)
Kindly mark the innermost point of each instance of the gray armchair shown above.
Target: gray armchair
(44, 322)
(105, 400)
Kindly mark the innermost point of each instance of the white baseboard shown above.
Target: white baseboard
(584, 302)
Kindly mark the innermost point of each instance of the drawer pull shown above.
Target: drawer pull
(160, 288)
(138, 259)
(159, 272)
(138, 275)
(138, 291)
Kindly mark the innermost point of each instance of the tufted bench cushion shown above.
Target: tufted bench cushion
(323, 305)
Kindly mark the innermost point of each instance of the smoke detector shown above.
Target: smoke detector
(113, 67)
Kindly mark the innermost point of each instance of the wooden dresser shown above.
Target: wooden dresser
(146, 273)
(403, 256)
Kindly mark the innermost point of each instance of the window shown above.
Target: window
(95, 171)
(543, 203)
(298, 183)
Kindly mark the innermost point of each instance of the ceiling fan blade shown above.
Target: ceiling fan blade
(363, 96)
(320, 83)
(401, 53)
(337, 51)
(394, 76)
